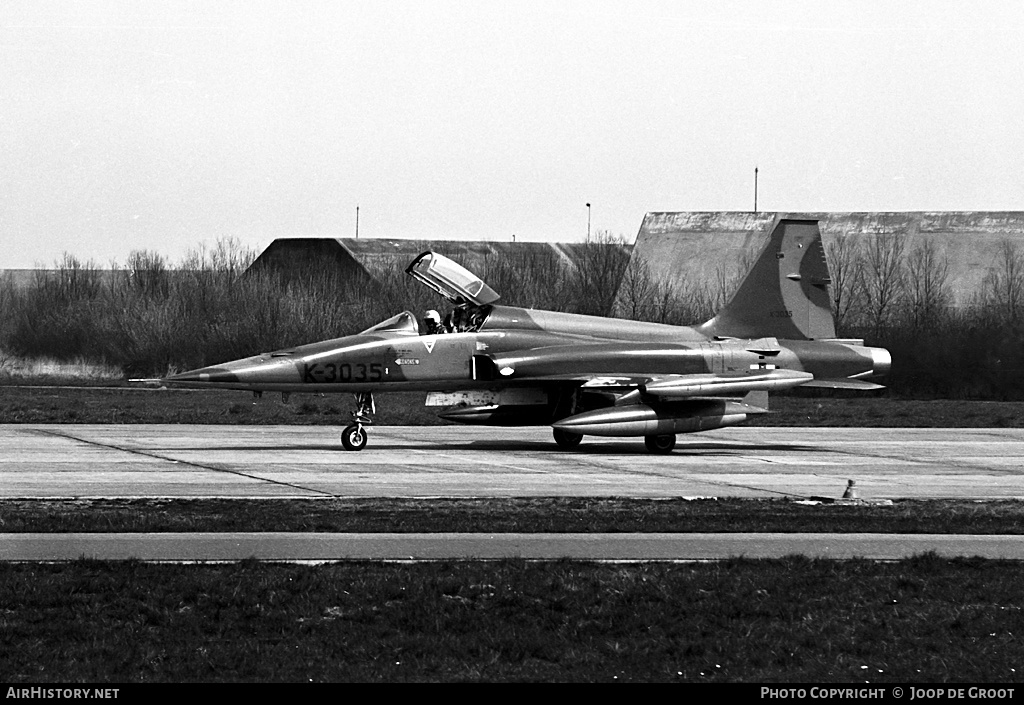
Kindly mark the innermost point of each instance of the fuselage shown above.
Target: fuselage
(525, 347)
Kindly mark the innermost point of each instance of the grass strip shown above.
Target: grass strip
(121, 404)
(485, 515)
(925, 619)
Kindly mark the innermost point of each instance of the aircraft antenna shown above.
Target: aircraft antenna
(755, 189)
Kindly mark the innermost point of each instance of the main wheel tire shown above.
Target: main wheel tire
(354, 437)
(660, 444)
(567, 439)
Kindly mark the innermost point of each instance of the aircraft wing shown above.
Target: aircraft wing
(687, 386)
(621, 366)
(696, 385)
(683, 386)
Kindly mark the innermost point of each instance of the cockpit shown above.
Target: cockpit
(460, 319)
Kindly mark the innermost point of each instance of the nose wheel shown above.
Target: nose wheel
(354, 436)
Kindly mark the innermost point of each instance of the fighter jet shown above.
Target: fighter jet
(492, 364)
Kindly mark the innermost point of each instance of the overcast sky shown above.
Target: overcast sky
(160, 125)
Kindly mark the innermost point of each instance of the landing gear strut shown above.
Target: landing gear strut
(660, 444)
(354, 435)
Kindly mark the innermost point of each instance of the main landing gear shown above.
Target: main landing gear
(660, 444)
(354, 435)
(567, 439)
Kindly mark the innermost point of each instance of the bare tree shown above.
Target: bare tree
(598, 272)
(883, 277)
(927, 292)
(846, 270)
(727, 279)
(77, 280)
(532, 278)
(636, 290)
(692, 303)
(1003, 286)
(147, 273)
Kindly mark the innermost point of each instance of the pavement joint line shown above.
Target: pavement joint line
(927, 463)
(517, 468)
(652, 472)
(201, 466)
(718, 483)
(782, 493)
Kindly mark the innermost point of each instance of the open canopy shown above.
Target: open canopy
(451, 280)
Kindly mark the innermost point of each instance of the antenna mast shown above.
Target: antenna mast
(755, 189)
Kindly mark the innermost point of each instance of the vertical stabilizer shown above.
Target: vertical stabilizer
(785, 294)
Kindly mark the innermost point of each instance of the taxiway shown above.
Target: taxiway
(90, 461)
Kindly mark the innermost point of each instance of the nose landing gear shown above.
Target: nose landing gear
(354, 436)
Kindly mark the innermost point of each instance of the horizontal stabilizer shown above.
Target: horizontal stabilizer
(857, 384)
(695, 385)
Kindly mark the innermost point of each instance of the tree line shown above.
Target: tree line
(891, 295)
(150, 317)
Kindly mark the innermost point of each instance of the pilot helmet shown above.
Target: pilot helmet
(432, 315)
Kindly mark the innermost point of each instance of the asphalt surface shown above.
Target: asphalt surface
(93, 461)
(89, 461)
(319, 547)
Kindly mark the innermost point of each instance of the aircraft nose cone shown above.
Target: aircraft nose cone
(202, 376)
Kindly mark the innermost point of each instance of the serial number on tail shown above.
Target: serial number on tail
(331, 372)
(782, 313)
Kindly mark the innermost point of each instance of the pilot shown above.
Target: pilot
(458, 320)
(432, 323)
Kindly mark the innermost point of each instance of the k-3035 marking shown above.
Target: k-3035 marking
(333, 372)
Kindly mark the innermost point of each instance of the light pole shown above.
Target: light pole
(588, 222)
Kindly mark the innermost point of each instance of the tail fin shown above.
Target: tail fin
(785, 294)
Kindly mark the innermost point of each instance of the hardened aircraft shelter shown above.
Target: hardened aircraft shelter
(714, 247)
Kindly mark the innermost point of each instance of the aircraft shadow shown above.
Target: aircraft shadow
(625, 447)
(633, 447)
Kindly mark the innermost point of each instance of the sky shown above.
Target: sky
(165, 126)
